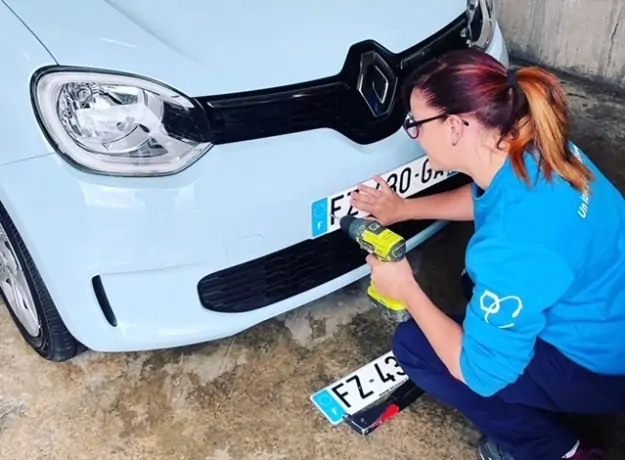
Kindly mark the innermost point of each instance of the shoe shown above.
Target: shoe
(588, 453)
(490, 450)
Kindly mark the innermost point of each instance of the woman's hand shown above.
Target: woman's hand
(393, 279)
(383, 204)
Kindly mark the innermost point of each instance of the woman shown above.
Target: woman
(544, 328)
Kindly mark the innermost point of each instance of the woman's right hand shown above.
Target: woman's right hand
(383, 204)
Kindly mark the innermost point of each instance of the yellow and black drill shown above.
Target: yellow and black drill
(387, 246)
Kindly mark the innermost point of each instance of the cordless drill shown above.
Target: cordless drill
(387, 246)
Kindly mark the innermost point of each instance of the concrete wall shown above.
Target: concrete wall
(583, 37)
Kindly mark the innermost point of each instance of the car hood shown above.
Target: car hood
(206, 48)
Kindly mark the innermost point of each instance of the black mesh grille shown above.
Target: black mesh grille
(293, 270)
(332, 102)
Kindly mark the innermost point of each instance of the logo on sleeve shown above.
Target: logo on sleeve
(500, 311)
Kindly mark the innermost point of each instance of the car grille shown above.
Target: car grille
(332, 102)
(296, 269)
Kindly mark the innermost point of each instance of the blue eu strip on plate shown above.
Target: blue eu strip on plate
(319, 217)
(328, 406)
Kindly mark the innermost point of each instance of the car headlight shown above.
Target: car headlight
(480, 23)
(119, 125)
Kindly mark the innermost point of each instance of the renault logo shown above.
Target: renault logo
(376, 83)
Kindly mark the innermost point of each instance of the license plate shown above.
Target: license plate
(359, 389)
(406, 180)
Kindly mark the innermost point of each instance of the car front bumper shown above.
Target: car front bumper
(149, 241)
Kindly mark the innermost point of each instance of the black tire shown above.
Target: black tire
(54, 342)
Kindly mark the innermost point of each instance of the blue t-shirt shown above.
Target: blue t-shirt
(548, 262)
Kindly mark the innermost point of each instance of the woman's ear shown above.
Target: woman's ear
(457, 128)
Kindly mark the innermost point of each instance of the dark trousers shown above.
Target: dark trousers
(522, 416)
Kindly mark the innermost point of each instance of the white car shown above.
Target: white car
(169, 168)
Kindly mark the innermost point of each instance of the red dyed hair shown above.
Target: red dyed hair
(529, 112)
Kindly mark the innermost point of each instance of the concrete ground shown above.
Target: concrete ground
(225, 400)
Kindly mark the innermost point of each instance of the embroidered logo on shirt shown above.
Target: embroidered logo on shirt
(492, 304)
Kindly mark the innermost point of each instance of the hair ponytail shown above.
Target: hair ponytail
(543, 125)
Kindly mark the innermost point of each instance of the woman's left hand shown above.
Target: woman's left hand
(392, 279)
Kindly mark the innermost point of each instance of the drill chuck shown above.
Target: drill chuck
(375, 238)
(346, 222)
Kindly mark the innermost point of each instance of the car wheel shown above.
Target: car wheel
(28, 300)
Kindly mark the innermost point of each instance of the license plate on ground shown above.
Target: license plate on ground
(359, 389)
(406, 180)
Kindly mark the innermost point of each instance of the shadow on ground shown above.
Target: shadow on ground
(246, 398)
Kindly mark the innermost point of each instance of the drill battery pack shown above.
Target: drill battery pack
(390, 308)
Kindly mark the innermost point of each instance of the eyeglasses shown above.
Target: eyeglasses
(413, 126)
